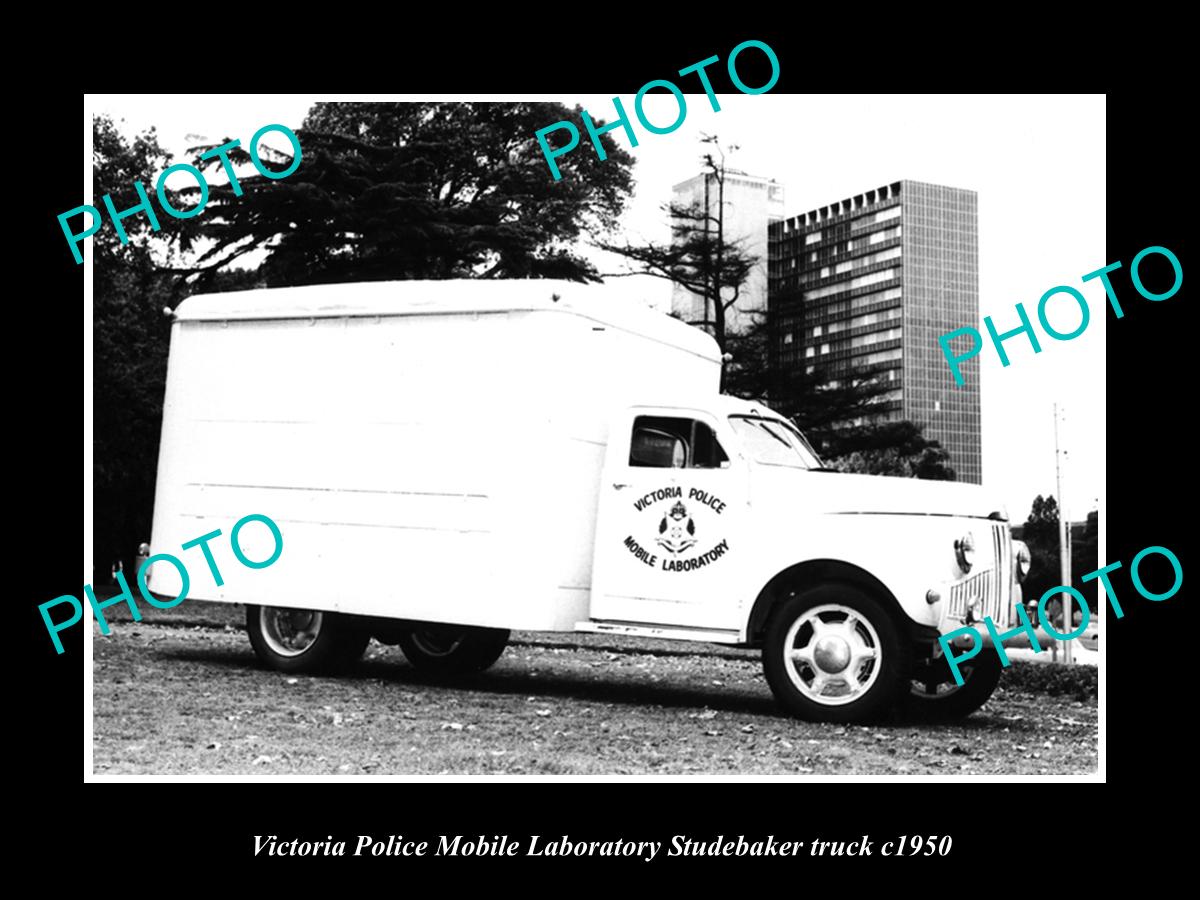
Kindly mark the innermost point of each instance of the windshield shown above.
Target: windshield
(772, 442)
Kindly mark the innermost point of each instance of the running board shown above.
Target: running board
(665, 632)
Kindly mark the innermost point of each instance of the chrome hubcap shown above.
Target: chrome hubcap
(833, 654)
(290, 632)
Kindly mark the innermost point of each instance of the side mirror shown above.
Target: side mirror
(657, 449)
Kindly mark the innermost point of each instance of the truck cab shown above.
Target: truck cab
(719, 522)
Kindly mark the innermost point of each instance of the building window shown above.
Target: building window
(812, 238)
(878, 297)
(882, 356)
(860, 281)
(787, 338)
(860, 321)
(886, 235)
(808, 353)
(868, 220)
(875, 337)
(825, 271)
(817, 331)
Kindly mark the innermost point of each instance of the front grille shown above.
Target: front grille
(992, 585)
(1002, 538)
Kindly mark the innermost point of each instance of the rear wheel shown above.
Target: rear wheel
(304, 640)
(834, 653)
(934, 695)
(453, 650)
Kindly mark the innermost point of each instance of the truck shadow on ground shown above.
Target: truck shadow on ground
(514, 680)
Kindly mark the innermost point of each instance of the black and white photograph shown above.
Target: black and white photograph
(697, 433)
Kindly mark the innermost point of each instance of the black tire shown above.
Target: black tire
(879, 678)
(933, 695)
(453, 651)
(301, 640)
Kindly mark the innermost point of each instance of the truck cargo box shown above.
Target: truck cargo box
(430, 450)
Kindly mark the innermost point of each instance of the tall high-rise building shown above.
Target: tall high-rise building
(751, 205)
(868, 285)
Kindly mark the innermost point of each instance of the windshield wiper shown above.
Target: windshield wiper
(786, 443)
(763, 426)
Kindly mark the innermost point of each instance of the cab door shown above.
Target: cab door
(673, 515)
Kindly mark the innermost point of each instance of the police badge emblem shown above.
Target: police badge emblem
(677, 531)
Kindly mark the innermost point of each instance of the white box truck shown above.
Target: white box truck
(448, 461)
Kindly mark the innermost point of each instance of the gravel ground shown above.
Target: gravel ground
(182, 693)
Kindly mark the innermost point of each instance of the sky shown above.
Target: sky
(1036, 162)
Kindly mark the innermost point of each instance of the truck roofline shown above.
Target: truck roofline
(604, 305)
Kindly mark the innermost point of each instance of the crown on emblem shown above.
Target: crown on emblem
(678, 511)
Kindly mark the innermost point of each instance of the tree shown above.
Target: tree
(699, 258)
(887, 448)
(1085, 556)
(129, 350)
(417, 190)
(820, 407)
(1042, 524)
(1040, 534)
(755, 372)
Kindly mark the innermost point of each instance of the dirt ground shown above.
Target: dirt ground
(182, 693)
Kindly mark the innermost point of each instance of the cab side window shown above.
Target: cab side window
(667, 442)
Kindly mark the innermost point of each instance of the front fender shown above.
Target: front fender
(899, 557)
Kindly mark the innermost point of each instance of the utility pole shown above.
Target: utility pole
(1064, 546)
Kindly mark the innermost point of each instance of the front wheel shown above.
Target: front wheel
(834, 653)
(304, 640)
(935, 697)
(452, 650)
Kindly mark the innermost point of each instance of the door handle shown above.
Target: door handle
(621, 486)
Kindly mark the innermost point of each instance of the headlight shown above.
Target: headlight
(964, 548)
(1024, 559)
